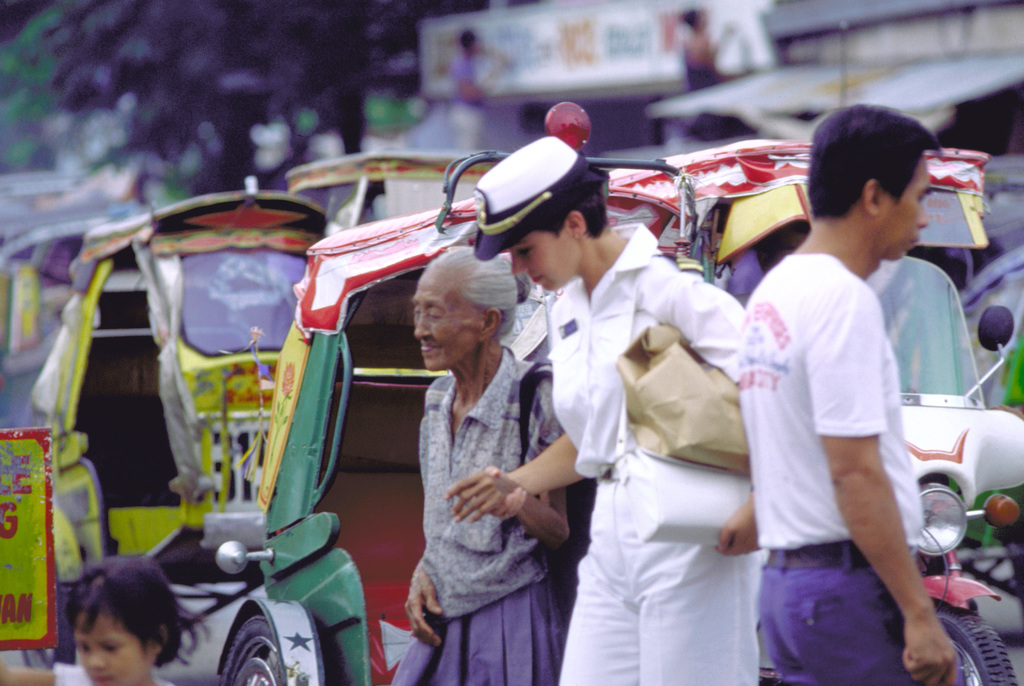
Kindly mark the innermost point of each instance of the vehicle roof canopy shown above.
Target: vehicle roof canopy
(357, 258)
(214, 222)
(748, 167)
(775, 173)
(374, 166)
(39, 207)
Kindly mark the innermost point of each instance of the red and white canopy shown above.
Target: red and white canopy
(353, 260)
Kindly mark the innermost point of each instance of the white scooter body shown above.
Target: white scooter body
(980, 449)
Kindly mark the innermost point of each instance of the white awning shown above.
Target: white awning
(925, 89)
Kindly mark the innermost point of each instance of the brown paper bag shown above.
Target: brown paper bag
(680, 406)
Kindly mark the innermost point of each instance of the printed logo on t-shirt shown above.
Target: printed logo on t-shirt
(762, 359)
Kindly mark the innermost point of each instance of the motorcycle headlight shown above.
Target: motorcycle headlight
(945, 520)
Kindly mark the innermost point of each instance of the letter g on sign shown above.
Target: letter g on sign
(8, 522)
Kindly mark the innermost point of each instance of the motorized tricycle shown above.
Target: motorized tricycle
(962, 450)
(1000, 281)
(155, 387)
(340, 483)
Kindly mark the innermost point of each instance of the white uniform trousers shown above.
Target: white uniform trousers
(654, 614)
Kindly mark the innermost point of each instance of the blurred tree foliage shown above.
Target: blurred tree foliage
(193, 77)
(26, 96)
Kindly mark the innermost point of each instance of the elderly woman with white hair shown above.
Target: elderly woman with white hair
(480, 603)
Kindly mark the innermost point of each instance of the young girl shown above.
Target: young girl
(126, 621)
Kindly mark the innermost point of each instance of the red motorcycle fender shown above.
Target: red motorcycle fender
(956, 591)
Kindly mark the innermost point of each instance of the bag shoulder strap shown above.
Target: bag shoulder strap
(682, 264)
(527, 393)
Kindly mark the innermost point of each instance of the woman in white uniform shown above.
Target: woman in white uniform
(645, 613)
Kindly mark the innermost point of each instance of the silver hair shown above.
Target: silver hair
(485, 284)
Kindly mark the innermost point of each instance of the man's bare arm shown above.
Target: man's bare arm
(866, 501)
(23, 676)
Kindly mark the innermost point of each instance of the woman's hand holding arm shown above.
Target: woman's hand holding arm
(482, 493)
(542, 516)
(422, 594)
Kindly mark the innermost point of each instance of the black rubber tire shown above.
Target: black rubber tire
(982, 652)
(254, 658)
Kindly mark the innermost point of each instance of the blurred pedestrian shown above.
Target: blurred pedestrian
(836, 501)
(700, 54)
(747, 270)
(467, 109)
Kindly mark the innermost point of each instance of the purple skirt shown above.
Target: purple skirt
(515, 641)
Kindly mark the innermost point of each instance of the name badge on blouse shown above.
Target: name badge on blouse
(567, 330)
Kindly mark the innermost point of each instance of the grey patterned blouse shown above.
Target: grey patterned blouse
(473, 564)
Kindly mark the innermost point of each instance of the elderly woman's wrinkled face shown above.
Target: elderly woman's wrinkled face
(448, 327)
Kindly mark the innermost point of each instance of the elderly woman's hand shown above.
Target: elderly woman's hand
(422, 594)
(487, 492)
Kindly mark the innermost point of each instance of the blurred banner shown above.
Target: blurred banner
(605, 49)
(558, 49)
(27, 581)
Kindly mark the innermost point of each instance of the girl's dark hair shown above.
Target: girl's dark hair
(135, 592)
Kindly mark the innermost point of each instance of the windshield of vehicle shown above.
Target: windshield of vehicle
(927, 328)
(229, 292)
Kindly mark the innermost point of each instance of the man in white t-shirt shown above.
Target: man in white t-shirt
(836, 502)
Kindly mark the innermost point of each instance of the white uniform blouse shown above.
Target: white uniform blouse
(589, 333)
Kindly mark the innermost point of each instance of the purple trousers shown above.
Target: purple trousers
(515, 641)
(833, 626)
